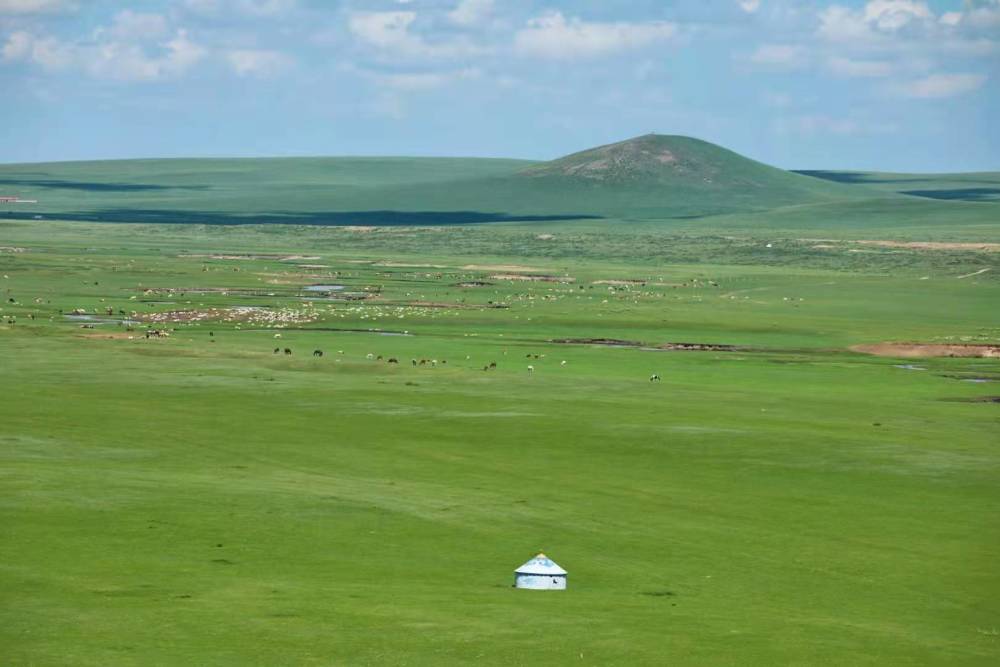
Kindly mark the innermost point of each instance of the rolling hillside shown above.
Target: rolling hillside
(653, 177)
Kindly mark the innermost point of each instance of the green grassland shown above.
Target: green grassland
(197, 498)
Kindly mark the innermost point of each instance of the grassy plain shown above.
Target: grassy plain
(198, 499)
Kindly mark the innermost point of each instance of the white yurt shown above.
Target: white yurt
(541, 574)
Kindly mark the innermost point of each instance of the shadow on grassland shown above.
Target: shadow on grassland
(963, 194)
(95, 187)
(326, 218)
(850, 177)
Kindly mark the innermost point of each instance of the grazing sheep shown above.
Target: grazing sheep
(317, 353)
(369, 356)
(654, 378)
(493, 364)
(562, 363)
(288, 350)
(531, 369)
(393, 360)
(276, 350)
(413, 361)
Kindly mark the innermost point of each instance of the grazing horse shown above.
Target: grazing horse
(277, 350)
(288, 350)
(393, 360)
(317, 353)
(493, 364)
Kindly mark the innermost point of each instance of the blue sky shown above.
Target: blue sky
(906, 85)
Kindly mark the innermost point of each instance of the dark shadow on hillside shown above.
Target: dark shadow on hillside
(963, 194)
(326, 218)
(849, 177)
(95, 187)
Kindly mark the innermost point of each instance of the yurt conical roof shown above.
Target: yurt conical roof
(540, 564)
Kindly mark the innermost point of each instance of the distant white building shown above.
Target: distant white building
(540, 573)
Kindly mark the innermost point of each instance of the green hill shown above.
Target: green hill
(653, 177)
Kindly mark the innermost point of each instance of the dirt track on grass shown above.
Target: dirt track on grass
(919, 350)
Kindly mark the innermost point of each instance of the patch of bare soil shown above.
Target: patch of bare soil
(931, 245)
(501, 267)
(532, 277)
(403, 265)
(546, 237)
(910, 245)
(620, 283)
(248, 256)
(918, 350)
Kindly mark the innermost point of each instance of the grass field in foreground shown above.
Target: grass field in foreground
(197, 499)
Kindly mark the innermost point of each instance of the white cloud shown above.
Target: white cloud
(471, 12)
(249, 8)
(941, 85)
(786, 56)
(421, 81)
(859, 68)
(951, 18)
(876, 20)
(264, 7)
(116, 59)
(17, 47)
(983, 15)
(123, 61)
(47, 52)
(555, 36)
(128, 26)
(35, 6)
(749, 6)
(257, 62)
(383, 29)
(390, 32)
(894, 14)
